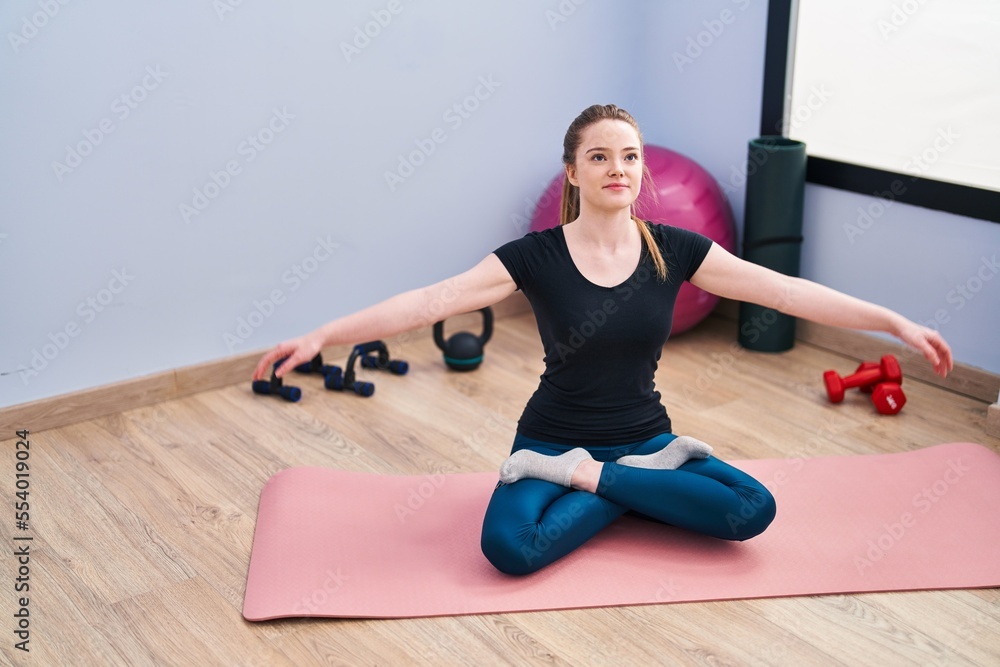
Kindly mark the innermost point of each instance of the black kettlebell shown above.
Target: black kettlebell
(464, 351)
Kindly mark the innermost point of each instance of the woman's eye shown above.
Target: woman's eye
(632, 156)
(598, 156)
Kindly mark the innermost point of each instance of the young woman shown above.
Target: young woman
(594, 440)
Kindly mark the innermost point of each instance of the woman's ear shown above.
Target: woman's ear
(571, 175)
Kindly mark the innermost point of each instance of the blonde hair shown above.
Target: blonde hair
(569, 209)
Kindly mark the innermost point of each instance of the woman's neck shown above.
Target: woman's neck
(608, 231)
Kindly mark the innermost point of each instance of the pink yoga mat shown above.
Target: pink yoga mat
(344, 544)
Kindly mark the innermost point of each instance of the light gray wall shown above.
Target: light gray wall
(169, 290)
(104, 252)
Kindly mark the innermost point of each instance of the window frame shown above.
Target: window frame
(929, 193)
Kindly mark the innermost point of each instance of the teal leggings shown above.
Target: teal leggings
(532, 523)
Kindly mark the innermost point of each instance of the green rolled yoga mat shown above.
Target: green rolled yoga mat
(772, 232)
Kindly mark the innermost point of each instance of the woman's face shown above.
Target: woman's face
(608, 167)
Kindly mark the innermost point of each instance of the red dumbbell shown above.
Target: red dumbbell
(888, 398)
(887, 371)
(867, 366)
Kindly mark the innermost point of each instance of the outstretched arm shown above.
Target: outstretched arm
(485, 284)
(733, 278)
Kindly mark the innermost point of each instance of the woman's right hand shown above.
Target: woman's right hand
(297, 350)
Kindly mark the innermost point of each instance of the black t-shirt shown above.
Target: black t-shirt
(602, 344)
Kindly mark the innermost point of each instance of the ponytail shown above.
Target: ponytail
(652, 249)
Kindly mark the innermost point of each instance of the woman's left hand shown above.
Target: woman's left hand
(930, 343)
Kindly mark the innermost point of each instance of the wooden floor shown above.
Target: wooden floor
(143, 521)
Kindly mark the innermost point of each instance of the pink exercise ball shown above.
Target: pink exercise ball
(686, 196)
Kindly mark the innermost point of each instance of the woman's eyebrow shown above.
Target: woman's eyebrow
(602, 148)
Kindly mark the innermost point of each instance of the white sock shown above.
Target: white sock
(525, 463)
(671, 457)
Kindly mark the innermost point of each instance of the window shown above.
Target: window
(898, 99)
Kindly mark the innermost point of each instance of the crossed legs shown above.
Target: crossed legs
(532, 522)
